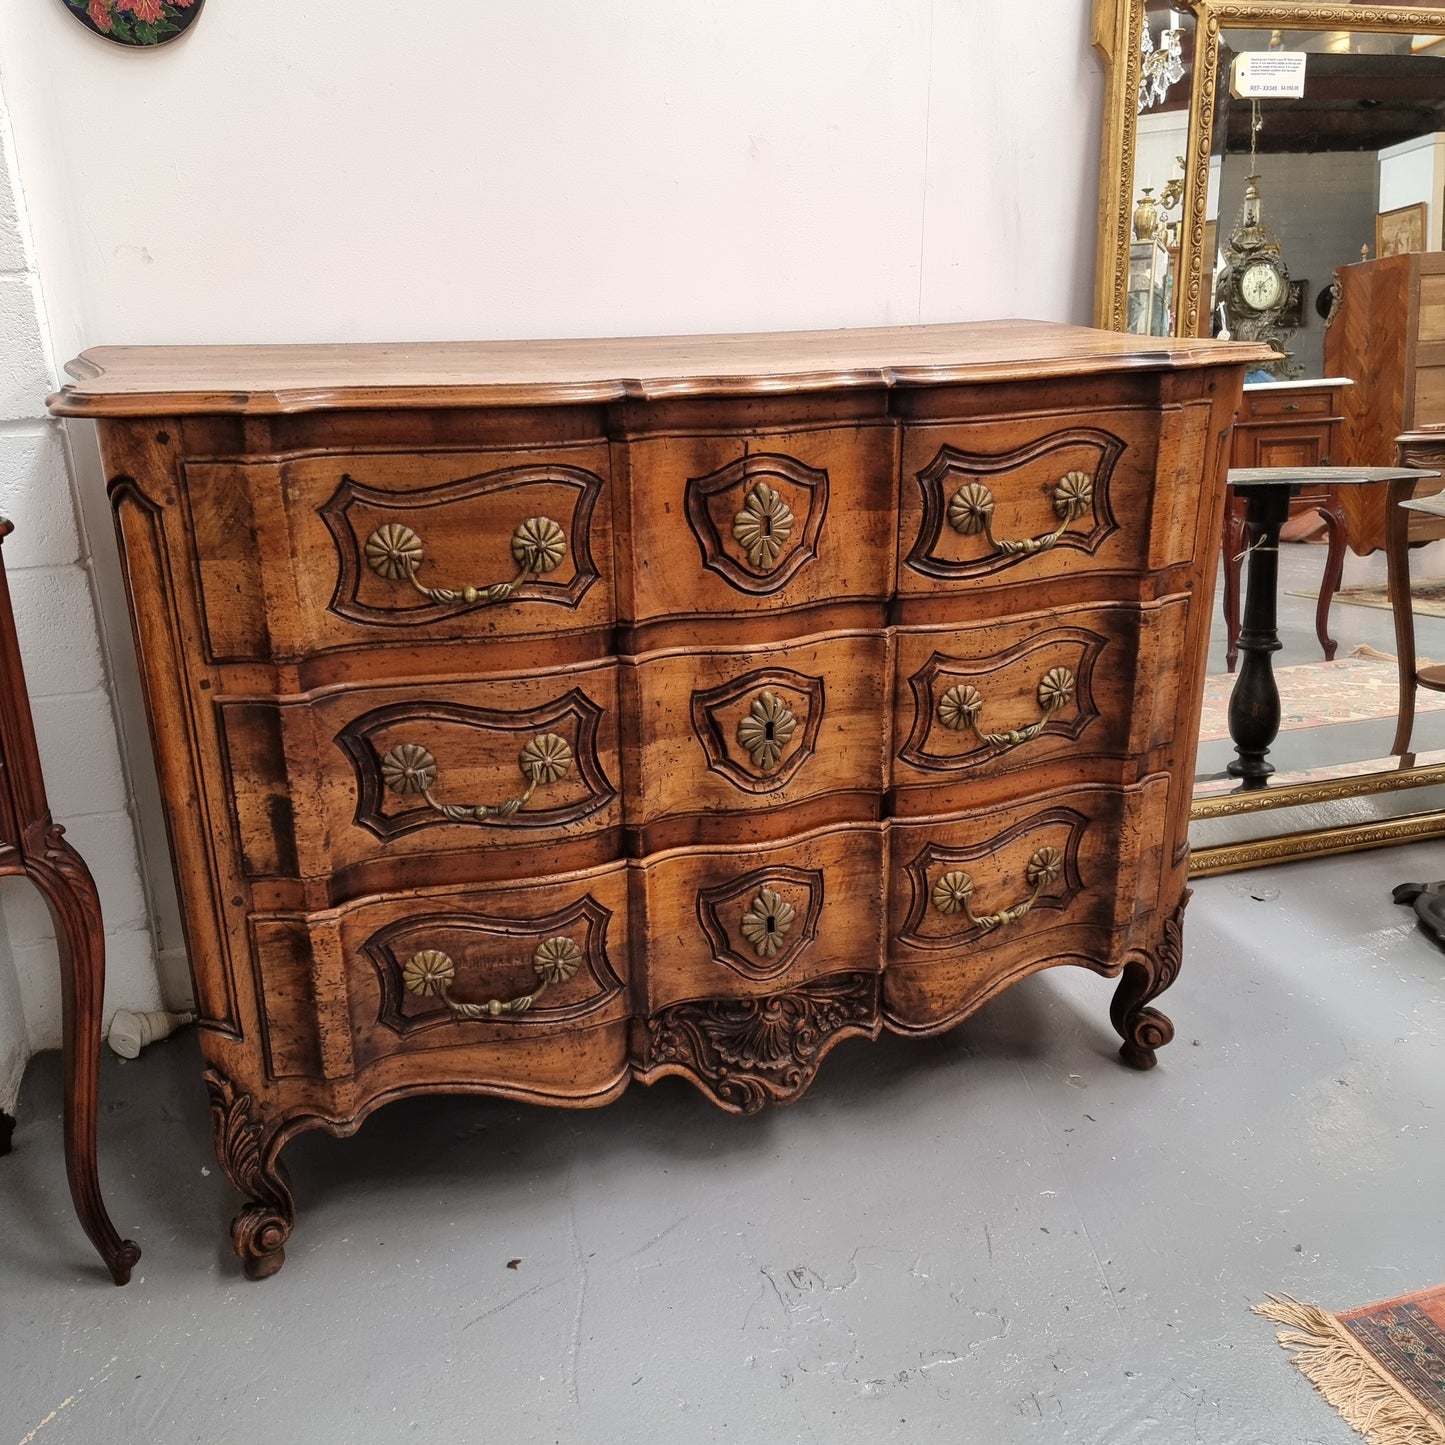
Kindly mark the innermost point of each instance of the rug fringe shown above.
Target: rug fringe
(1329, 1359)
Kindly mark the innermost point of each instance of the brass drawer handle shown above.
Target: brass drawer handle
(971, 511)
(766, 730)
(395, 552)
(953, 893)
(764, 526)
(409, 768)
(431, 973)
(960, 706)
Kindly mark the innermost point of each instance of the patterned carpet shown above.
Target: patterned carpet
(1427, 596)
(1382, 1367)
(1317, 694)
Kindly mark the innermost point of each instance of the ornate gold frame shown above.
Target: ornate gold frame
(1117, 26)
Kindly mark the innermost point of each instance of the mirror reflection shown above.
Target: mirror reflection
(1323, 238)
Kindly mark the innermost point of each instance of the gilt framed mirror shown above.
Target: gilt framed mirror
(1237, 198)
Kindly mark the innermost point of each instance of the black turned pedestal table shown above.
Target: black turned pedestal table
(1254, 703)
(1427, 899)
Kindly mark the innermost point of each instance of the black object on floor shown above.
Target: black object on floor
(1428, 901)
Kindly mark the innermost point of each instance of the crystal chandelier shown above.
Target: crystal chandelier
(1161, 68)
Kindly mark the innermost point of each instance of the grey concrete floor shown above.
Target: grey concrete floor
(998, 1236)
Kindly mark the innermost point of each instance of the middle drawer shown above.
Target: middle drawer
(370, 789)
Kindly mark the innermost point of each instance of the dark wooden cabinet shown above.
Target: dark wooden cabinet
(1287, 424)
(1388, 332)
(535, 718)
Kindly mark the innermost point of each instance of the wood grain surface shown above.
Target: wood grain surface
(787, 562)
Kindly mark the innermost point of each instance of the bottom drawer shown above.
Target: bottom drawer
(743, 922)
(978, 901)
(499, 986)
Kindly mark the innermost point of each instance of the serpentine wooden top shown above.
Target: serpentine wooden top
(135, 381)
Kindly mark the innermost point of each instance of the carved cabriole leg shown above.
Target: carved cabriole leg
(58, 871)
(1145, 976)
(248, 1152)
(748, 1052)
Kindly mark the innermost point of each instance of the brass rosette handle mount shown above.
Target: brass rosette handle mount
(960, 707)
(953, 893)
(970, 511)
(409, 769)
(395, 552)
(430, 973)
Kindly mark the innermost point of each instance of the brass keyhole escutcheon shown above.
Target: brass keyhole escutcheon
(764, 526)
(766, 730)
(768, 921)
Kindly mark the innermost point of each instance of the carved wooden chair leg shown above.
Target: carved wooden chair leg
(1232, 539)
(65, 882)
(1397, 565)
(1145, 977)
(1330, 582)
(248, 1152)
(7, 1131)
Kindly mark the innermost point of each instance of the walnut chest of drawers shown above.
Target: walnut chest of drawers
(536, 717)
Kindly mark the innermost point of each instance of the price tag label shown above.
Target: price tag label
(1276, 74)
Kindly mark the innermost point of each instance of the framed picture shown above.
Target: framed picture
(1292, 313)
(1400, 232)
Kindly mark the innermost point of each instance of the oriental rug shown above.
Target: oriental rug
(1382, 1366)
(1316, 694)
(1427, 596)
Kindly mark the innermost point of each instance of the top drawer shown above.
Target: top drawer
(732, 512)
(301, 556)
(1049, 496)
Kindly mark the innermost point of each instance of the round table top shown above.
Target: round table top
(1333, 476)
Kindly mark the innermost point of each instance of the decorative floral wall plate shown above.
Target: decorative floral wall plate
(136, 22)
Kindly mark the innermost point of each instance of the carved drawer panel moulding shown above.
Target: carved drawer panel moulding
(732, 517)
(958, 895)
(744, 730)
(761, 923)
(962, 490)
(762, 750)
(535, 718)
(386, 545)
(403, 786)
(965, 709)
(1047, 688)
(753, 920)
(487, 958)
(778, 507)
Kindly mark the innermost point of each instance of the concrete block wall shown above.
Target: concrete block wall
(48, 563)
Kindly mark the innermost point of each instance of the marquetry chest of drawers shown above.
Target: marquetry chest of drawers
(537, 717)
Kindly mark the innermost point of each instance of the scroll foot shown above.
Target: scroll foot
(248, 1149)
(1145, 977)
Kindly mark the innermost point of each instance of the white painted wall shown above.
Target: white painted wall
(46, 560)
(1414, 171)
(341, 171)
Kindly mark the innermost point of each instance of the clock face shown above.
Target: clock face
(1261, 286)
